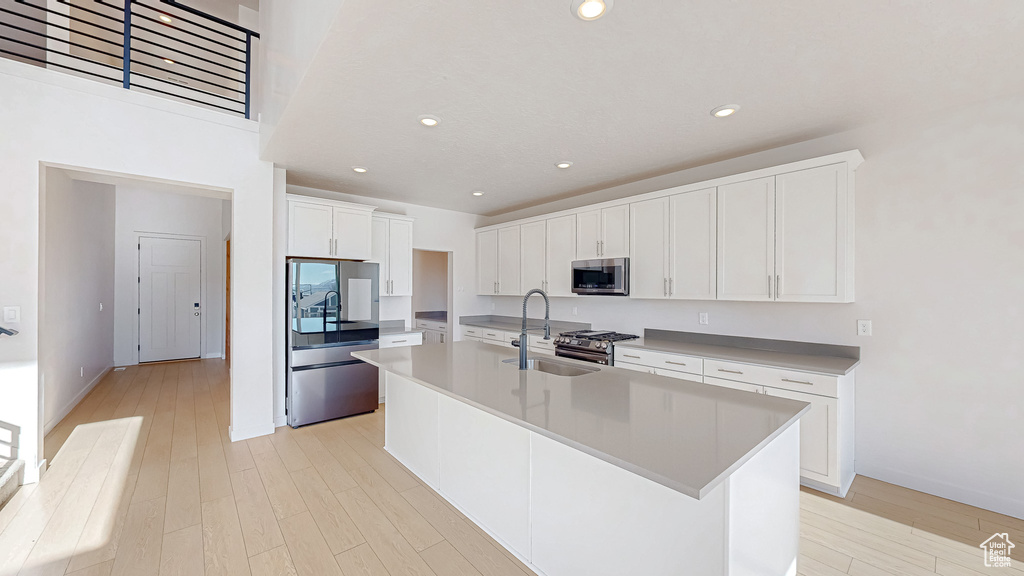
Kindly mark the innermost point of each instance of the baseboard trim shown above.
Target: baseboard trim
(1000, 504)
(74, 402)
(280, 421)
(214, 356)
(237, 434)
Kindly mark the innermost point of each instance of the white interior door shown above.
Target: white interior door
(170, 312)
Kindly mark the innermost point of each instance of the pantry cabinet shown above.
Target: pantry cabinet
(392, 249)
(320, 228)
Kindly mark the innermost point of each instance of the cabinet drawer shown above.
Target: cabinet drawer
(397, 340)
(496, 335)
(820, 384)
(432, 325)
(660, 360)
(678, 375)
(734, 385)
(473, 331)
(634, 367)
(539, 342)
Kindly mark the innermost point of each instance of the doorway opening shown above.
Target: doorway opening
(432, 281)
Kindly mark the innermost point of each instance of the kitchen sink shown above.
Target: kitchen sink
(553, 367)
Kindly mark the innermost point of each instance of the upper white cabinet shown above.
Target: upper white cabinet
(746, 240)
(392, 249)
(497, 261)
(533, 255)
(787, 237)
(560, 248)
(603, 233)
(320, 228)
(777, 234)
(813, 236)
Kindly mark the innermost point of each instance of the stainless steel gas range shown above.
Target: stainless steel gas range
(590, 345)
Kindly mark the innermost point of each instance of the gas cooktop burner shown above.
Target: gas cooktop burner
(599, 335)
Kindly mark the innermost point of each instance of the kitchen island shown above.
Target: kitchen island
(606, 472)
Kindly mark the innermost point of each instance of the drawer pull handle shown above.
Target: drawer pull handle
(730, 371)
(675, 363)
(798, 382)
(629, 356)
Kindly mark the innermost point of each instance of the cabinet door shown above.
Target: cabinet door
(693, 225)
(310, 232)
(508, 261)
(532, 254)
(353, 234)
(561, 251)
(811, 235)
(400, 257)
(588, 235)
(746, 240)
(487, 262)
(819, 446)
(379, 250)
(615, 232)
(649, 243)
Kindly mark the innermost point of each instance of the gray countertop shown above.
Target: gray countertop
(513, 324)
(436, 315)
(833, 365)
(684, 435)
(391, 331)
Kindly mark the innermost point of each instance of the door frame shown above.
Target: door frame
(136, 329)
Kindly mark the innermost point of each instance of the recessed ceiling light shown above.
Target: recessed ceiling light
(168, 60)
(723, 111)
(359, 169)
(590, 9)
(478, 193)
(428, 120)
(563, 165)
(166, 18)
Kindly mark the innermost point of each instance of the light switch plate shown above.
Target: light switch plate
(703, 318)
(863, 327)
(12, 314)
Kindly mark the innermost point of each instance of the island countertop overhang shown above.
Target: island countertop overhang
(685, 435)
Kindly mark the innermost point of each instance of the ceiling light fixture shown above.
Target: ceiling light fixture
(168, 60)
(166, 18)
(478, 193)
(590, 9)
(428, 120)
(563, 165)
(358, 169)
(727, 110)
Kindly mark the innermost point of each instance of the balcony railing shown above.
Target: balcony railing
(156, 46)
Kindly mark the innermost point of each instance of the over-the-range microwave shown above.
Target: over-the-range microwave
(605, 276)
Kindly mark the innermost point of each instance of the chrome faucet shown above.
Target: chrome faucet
(522, 343)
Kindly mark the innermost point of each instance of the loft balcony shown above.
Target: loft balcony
(160, 47)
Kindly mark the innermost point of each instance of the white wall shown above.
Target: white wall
(76, 337)
(429, 280)
(48, 117)
(434, 229)
(939, 271)
(141, 211)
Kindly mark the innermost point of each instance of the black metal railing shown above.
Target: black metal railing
(157, 46)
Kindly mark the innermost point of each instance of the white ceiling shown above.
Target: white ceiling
(522, 85)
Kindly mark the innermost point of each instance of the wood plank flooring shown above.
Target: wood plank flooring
(143, 481)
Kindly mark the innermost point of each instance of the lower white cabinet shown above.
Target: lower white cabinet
(395, 341)
(826, 430)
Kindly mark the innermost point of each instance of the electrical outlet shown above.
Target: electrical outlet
(12, 314)
(863, 327)
(575, 311)
(492, 306)
(101, 306)
(81, 372)
(703, 318)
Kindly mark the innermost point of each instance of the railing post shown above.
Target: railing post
(248, 69)
(126, 61)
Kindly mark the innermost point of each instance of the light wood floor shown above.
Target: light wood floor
(144, 481)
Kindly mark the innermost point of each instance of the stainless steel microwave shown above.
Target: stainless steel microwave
(606, 276)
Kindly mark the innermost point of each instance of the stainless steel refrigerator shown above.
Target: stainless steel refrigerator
(332, 312)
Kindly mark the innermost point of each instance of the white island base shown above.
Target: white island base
(564, 512)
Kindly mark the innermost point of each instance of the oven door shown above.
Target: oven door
(609, 276)
(595, 357)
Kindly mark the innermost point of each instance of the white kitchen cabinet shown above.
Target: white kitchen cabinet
(487, 262)
(746, 240)
(435, 331)
(508, 261)
(603, 233)
(818, 435)
(533, 255)
(649, 245)
(400, 340)
(560, 248)
(745, 386)
(320, 228)
(693, 225)
(813, 236)
(392, 249)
